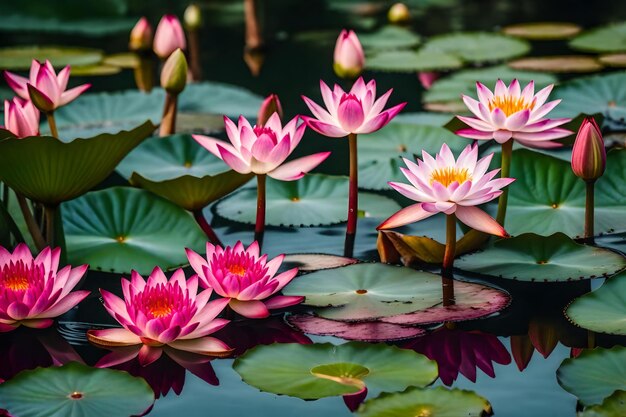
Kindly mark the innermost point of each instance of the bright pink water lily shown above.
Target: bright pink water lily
(21, 118)
(158, 314)
(244, 278)
(32, 291)
(48, 85)
(353, 112)
(262, 150)
(443, 184)
(513, 113)
(169, 36)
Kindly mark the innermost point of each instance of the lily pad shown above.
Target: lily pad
(543, 30)
(315, 261)
(612, 406)
(93, 27)
(368, 291)
(128, 60)
(75, 390)
(613, 60)
(609, 38)
(325, 370)
(423, 118)
(390, 37)
(95, 70)
(313, 200)
(50, 171)
(603, 310)
(531, 257)
(594, 374)
(20, 58)
(411, 61)
(120, 229)
(478, 47)
(562, 63)
(431, 402)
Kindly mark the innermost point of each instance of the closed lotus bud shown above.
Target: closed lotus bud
(399, 13)
(589, 154)
(169, 36)
(349, 56)
(40, 100)
(193, 17)
(270, 105)
(141, 36)
(174, 73)
(427, 78)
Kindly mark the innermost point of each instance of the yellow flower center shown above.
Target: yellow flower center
(160, 308)
(237, 270)
(510, 105)
(16, 282)
(448, 175)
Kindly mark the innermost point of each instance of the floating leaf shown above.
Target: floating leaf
(128, 60)
(613, 406)
(95, 70)
(423, 118)
(543, 30)
(325, 370)
(422, 402)
(315, 261)
(75, 390)
(478, 46)
(93, 27)
(603, 310)
(531, 257)
(613, 60)
(411, 61)
(20, 58)
(563, 63)
(390, 37)
(609, 38)
(594, 374)
(120, 229)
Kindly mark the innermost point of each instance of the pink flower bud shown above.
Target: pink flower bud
(169, 36)
(427, 78)
(589, 154)
(174, 73)
(349, 56)
(270, 105)
(141, 36)
(21, 118)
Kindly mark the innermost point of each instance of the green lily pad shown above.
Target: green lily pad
(20, 58)
(380, 152)
(75, 390)
(390, 37)
(613, 406)
(531, 257)
(594, 374)
(603, 310)
(423, 118)
(478, 47)
(557, 64)
(93, 27)
(50, 171)
(95, 70)
(543, 30)
(411, 61)
(311, 201)
(325, 370)
(431, 402)
(120, 229)
(127, 60)
(368, 291)
(609, 38)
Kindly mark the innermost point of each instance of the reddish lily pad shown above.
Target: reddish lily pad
(316, 261)
(543, 30)
(565, 63)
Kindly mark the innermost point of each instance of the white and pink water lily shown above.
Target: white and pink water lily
(245, 278)
(33, 291)
(513, 113)
(21, 117)
(263, 149)
(443, 184)
(357, 111)
(159, 313)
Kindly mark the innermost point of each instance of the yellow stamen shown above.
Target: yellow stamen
(16, 282)
(160, 308)
(510, 105)
(237, 270)
(448, 175)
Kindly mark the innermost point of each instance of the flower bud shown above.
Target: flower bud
(193, 17)
(399, 13)
(169, 36)
(39, 99)
(427, 78)
(349, 56)
(141, 36)
(589, 154)
(21, 118)
(270, 105)
(174, 73)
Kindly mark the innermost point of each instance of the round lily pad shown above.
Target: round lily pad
(603, 310)
(456, 106)
(594, 374)
(85, 26)
(75, 390)
(609, 38)
(613, 60)
(543, 30)
(389, 37)
(427, 402)
(411, 61)
(531, 257)
(478, 47)
(423, 118)
(369, 331)
(368, 291)
(95, 70)
(123, 60)
(563, 63)
(613, 406)
(315, 261)
(312, 200)
(120, 229)
(20, 58)
(325, 370)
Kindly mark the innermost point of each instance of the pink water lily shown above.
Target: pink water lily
(21, 118)
(349, 58)
(513, 113)
(33, 291)
(50, 87)
(244, 278)
(450, 186)
(161, 314)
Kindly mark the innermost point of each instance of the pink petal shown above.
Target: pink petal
(350, 114)
(70, 95)
(253, 309)
(113, 337)
(65, 304)
(498, 118)
(517, 120)
(37, 323)
(206, 329)
(296, 168)
(484, 94)
(474, 134)
(233, 161)
(318, 111)
(546, 144)
(210, 144)
(409, 191)
(502, 136)
(18, 310)
(285, 278)
(148, 354)
(282, 301)
(203, 346)
(549, 134)
(325, 129)
(117, 356)
(378, 122)
(410, 214)
(17, 84)
(479, 220)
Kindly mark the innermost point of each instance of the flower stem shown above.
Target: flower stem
(259, 228)
(507, 150)
(353, 197)
(254, 37)
(589, 210)
(31, 223)
(168, 121)
(50, 212)
(194, 54)
(206, 228)
(52, 124)
(447, 282)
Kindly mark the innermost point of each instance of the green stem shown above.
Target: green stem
(589, 210)
(259, 228)
(52, 124)
(353, 196)
(50, 223)
(31, 223)
(507, 150)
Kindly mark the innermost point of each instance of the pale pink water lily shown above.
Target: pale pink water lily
(244, 278)
(21, 118)
(349, 58)
(159, 314)
(33, 291)
(49, 86)
(443, 184)
(513, 113)
(168, 37)
(357, 111)
(263, 150)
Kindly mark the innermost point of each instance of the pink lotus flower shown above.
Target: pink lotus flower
(49, 87)
(349, 58)
(588, 153)
(169, 36)
(161, 314)
(510, 112)
(262, 150)
(32, 291)
(21, 117)
(449, 186)
(244, 278)
(353, 112)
